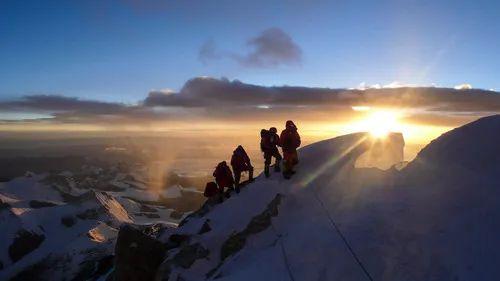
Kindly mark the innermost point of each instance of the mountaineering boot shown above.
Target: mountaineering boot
(287, 175)
(277, 167)
(237, 188)
(266, 171)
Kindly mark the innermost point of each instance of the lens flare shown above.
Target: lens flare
(379, 123)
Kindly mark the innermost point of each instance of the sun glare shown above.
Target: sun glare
(379, 123)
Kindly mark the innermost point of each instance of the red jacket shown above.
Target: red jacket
(289, 139)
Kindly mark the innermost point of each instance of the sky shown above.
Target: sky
(131, 62)
(120, 50)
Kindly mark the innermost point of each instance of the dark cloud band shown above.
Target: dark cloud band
(222, 99)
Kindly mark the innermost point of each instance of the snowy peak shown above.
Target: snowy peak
(475, 146)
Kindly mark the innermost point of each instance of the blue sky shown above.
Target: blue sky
(120, 50)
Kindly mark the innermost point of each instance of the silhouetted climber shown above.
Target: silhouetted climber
(289, 142)
(240, 162)
(212, 193)
(268, 144)
(223, 177)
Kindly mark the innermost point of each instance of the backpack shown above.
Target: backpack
(265, 142)
(210, 189)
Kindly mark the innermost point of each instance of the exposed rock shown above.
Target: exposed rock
(24, 243)
(41, 204)
(92, 269)
(103, 186)
(237, 240)
(35, 272)
(201, 212)
(151, 216)
(176, 215)
(147, 215)
(154, 230)
(68, 221)
(146, 208)
(189, 254)
(104, 265)
(4, 205)
(89, 214)
(258, 224)
(137, 255)
(205, 227)
(178, 238)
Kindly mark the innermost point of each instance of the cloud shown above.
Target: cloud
(211, 92)
(271, 48)
(208, 52)
(205, 98)
(56, 103)
(392, 85)
(62, 109)
(463, 87)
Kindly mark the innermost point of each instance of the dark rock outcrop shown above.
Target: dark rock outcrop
(258, 224)
(41, 204)
(68, 221)
(178, 239)
(176, 215)
(92, 269)
(237, 240)
(4, 205)
(89, 214)
(137, 255)
(24, 243)
(205, 227)
(148, 209)
(189, 254)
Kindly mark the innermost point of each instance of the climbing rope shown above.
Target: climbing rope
(367, 274)
(283, 252)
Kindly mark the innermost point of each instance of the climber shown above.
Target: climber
(268, 144)
(223, 177)
(289, 141)
(212, 193)
(240, 162)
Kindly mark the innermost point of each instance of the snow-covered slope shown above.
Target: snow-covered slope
(437, 219)
(63, 226)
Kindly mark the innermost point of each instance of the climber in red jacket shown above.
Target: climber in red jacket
(289, 142)
(240, 162)
(223, 176)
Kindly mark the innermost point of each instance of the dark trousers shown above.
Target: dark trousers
(268, 156)
(237, 175)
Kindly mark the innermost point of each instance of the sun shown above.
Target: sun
(379, 123)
